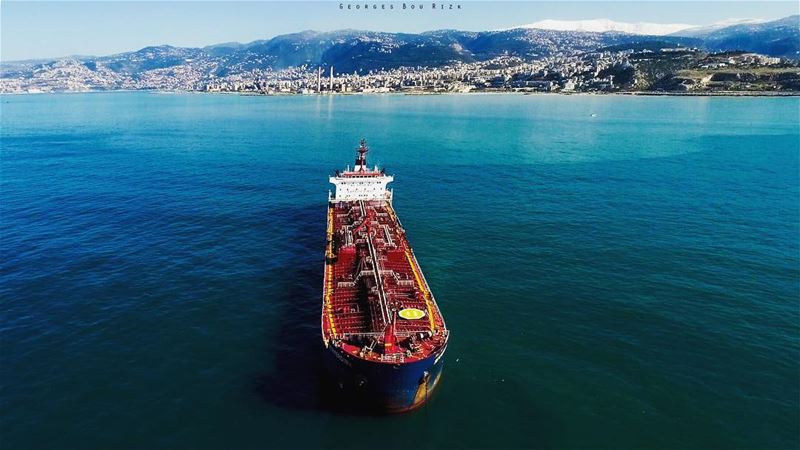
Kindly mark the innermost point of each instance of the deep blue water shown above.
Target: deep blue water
(629, 280)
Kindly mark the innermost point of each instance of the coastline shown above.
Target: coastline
(421, 93)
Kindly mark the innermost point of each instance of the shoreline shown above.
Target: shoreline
(422, 93)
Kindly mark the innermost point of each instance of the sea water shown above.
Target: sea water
(616, 272)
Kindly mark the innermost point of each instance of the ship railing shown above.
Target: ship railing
(373, 334)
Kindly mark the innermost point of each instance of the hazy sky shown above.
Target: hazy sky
(40, 29)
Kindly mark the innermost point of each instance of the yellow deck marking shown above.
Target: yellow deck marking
(421, 285)
(329, 274)
(329, 307)
(411, 313)
(329, 250)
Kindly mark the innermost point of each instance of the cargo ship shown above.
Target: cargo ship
(384, 335)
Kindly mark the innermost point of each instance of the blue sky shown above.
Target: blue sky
(41, 29)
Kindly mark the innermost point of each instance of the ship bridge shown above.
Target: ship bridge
(362, 182)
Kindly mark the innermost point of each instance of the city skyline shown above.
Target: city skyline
(39, 30)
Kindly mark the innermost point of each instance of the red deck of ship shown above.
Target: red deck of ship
(361, 305)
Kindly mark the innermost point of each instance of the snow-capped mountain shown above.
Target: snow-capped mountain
(708, 29)
(605, 25)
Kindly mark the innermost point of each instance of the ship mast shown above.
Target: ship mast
(361, 159)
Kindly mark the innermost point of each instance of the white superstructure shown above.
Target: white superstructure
(361, 183)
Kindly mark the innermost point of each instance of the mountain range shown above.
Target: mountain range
(351, 51)
(604, 25)
(775, 38)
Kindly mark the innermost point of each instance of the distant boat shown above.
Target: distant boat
(594, 115)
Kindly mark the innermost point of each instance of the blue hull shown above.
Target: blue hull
(383, 386)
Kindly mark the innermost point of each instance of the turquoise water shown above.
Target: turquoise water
(628, 280)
